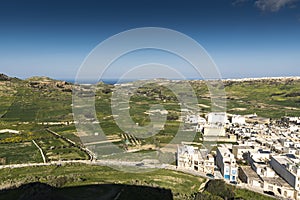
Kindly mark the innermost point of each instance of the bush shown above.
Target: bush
(207, 196)
(219, 188)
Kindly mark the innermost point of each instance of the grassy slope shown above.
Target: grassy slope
(76, 175)
(218, 188)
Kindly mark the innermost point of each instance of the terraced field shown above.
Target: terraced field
(23, 152)
(33, 106)
(25, 105)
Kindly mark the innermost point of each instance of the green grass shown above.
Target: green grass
(15, 153)
(250, 195)
(32, 105)
(220, 189)
(80, 174)
(16, 148)
(59, 149)
(267, 99)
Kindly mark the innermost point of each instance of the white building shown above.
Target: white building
(249, 176)
(239, 151)
(193, 158)
(287, 169)
(195, 119)
(217, 118)
(214, 131)
(238, 119)
(279, 187)
(226, 162)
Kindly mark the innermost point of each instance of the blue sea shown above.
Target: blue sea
(106, 81)
(110, 81)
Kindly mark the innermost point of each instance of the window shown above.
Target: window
(226, 170)
(227, 177)
(270, 187)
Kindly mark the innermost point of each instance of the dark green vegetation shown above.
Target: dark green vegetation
(20, 153)
(218, 190)
(182, 185)
(37, 191)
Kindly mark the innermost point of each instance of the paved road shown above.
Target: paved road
(110, 163)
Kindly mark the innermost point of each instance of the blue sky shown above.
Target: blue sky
(245, 38)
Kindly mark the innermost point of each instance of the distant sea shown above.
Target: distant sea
(109, 81)
(114, 81)
(106, 81)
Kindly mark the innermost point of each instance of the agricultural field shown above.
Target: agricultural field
(26, 104)
(68, 131)
(272, 99)
(18, 148)
(15, 153)
(39, 105)
(58, 149)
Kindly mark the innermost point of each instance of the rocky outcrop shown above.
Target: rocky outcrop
(49, 84)
(4, 77)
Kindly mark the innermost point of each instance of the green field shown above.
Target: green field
(18, 148)
(25, 152)
(23, 106)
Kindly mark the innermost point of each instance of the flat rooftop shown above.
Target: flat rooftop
(242, 147)
(277, 181)
(250, 172)
(282, 159)
(224, 150)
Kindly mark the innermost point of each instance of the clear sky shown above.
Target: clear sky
(246, 38)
